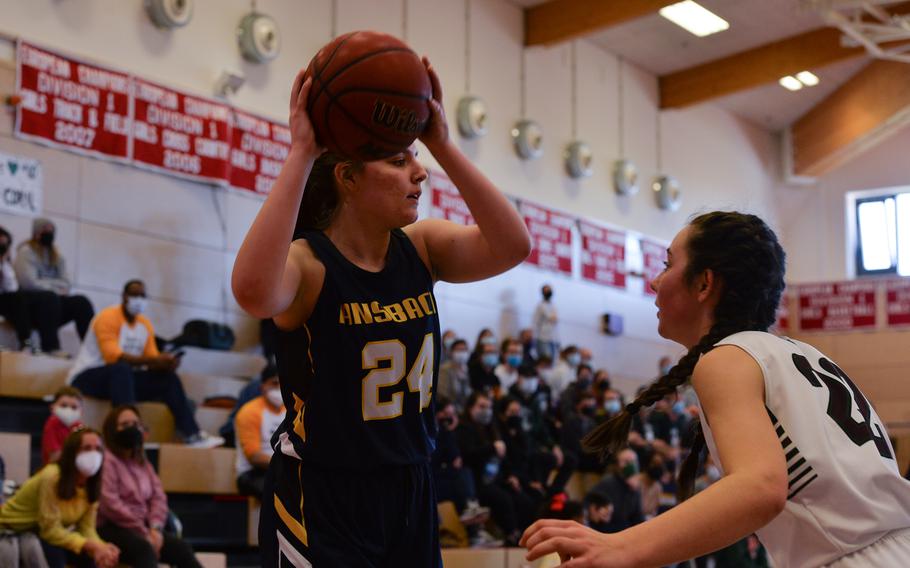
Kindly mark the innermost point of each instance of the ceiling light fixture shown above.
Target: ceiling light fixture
(807, 78)
(790, 83)
(695, 18)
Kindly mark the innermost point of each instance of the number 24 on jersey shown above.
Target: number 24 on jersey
(419, 379)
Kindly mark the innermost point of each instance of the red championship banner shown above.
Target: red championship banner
(70, 104)
(446, 201)
(259, 148)
(653, 256)
(603, 254)
(551, 236)
(783, 312)
(897, 302)
(181, 134)
(837, 306)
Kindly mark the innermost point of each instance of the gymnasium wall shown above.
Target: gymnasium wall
(116, 222)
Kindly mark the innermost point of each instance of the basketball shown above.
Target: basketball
(368, 100)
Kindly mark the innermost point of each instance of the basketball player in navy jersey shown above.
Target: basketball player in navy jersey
(807, 463)
(336, 258)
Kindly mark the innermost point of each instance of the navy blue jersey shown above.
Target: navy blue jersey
(358, 378)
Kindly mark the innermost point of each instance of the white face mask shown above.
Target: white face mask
(528, 385)
(274, 397)
(460, 357)
(136, 305)
(88, 463)
(68, 416)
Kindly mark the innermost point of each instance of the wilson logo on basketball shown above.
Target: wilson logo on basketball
(397, 118)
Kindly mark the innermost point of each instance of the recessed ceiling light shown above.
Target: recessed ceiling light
(790, 83)
(694, 18)
(807, 78)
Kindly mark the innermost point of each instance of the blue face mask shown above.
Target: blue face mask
(612, 406)
(513, 360)
(679, 407)
(573, 359)
(490, 359)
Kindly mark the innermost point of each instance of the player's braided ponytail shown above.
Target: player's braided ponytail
(748, 263)
(320, 197)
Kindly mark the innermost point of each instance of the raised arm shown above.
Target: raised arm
(753, 491)
(497, 242)
(266, 275)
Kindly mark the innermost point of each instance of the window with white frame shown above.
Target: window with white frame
(883, 235)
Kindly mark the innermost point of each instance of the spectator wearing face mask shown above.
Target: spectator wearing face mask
(60, 504)
(454, 383)
(564, 371)
(120, 362)
(254, 425)
(510, 357)
(670, 420)
(66, 415)
(575, 426)
(133, 504)
(481, 371)
(39, 266)
(534, 397)
(448, 338)
(483, 450)
(583, 381)
(545, 321)
(622, 485)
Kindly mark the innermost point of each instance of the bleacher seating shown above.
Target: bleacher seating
(15, 449)
(189, 470)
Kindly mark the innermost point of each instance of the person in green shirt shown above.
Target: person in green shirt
(60, 503)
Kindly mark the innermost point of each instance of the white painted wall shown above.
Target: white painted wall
(815, 217)
(116, 222)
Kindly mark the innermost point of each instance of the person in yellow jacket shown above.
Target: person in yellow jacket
(60, 503)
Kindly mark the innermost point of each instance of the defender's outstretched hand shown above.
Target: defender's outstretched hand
(577, 545)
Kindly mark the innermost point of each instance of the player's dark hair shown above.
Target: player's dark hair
(320, 196)
(749, 264)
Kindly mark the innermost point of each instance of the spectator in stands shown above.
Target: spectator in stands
(119, 361)
(66, 415)
(250, 391)
(448, 339)
(133, 506)
(622, 486)
(652, 485)
(254, 425)
(545, 322)
(485, 337)
(669, 420)
(510, 357)
(575, 426)
(598, 511)
(564, 370)
(609, 402)
(585, 357)
(525, 467)
(40, 267)
(529, 353)
(13, 305)
(60, 503)
(483, 450)
(480, 372)
(453, 382)
(534, 396)
(584, 377)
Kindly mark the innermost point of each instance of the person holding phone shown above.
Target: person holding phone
(120, 362)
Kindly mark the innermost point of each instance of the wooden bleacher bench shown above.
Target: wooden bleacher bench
(221, 363)
(23, 375)
(191, 470)
(16, 452)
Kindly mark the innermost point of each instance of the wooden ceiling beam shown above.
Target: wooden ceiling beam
(560, 20)
(761, 65)
(865, 110)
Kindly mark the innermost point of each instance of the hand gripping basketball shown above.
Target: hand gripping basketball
(301, 127)
(578, 546)
(437, 129)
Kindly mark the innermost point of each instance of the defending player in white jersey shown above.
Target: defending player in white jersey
(807, 463)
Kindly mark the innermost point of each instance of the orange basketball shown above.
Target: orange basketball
(369, 95)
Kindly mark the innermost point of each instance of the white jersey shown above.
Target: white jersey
(845, 490)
